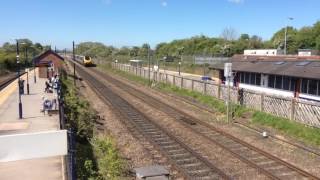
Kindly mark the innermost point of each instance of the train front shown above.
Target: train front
(87, 61)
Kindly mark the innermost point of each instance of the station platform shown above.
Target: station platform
(33, 121)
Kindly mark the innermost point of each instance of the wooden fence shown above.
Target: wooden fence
(305, 112)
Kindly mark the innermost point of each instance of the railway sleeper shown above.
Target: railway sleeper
(166, 143)
(169, 147)
(188, 165)
(175, 150)
(200, 172)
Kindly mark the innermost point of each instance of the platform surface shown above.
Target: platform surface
(33, 121)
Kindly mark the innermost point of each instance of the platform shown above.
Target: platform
(33, 121)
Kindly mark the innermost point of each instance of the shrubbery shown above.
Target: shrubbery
(96, 157)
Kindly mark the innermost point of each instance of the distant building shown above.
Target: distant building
(289, 76)
(49, 63)
(307, 52)
(136, 62)
(263, 52)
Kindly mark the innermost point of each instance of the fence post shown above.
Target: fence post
(219, 90)
(166, 78)
(174, 80)
(293, 104)
(262, 102)
(181, 82)
(192, 84)
(204, 88)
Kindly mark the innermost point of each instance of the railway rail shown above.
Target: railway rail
(187, 161)
(6, 81)
(265, 162)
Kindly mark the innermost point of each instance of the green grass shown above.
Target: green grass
(204, 99)
(291, 128)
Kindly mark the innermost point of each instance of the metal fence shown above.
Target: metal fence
(70, 159)
(294, 109)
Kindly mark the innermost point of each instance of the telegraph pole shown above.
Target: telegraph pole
(149, 63)
(285, 36)
(26, 54)
(74, 64)
(19, 91)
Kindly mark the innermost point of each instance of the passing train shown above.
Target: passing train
(85, 60)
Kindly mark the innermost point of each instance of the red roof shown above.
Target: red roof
(46, 53)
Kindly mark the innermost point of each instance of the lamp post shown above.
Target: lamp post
(180, 52)
(149, 63)
(285, 36)
(74, 64)
(18, 62)
(27, 70)
(34, 71)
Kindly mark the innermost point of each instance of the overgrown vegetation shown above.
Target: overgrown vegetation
(292, 128)
(96, 156)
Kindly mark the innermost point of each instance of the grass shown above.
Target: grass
(291, 128)
(204, 99)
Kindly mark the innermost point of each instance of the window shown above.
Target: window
(293, 84)
(271, 81)
(304, 86)
(286, 82)
(258, 79)
(242, 77)
(247, 78)
(318, 88)
(253, 78)
(312, 87)
(278, 82)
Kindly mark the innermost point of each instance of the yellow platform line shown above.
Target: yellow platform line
(7, 91)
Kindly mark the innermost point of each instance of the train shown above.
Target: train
(84, 60)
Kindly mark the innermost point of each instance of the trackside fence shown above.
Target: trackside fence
(305, 112)
(70, 159)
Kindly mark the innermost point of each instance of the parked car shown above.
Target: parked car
(206, 78)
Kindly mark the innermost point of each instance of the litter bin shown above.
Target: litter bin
(21, 86)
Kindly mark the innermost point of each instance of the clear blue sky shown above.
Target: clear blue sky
(133, 22)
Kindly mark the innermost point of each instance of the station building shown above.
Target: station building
(288, 76)
(48, 63)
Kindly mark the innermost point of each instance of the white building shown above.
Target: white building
(307, 52)
(263, 52)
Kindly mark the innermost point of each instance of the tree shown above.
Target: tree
(229, 34)
(244, 37)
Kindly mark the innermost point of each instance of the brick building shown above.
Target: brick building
(48, 63)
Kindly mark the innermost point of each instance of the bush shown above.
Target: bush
(109, 162)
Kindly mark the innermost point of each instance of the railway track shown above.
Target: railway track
(265, 162)
(6, 81)
(188, 162)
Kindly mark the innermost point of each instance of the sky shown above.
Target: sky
(134, 22)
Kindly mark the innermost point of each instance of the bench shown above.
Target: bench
(52, 111)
